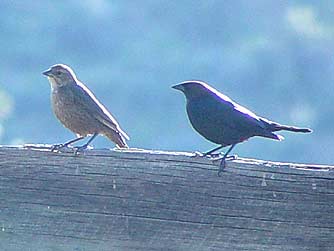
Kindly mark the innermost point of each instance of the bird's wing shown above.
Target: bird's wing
(244, 120)
(237, 119)
(229, 104)
(97, 110)
(244, 113)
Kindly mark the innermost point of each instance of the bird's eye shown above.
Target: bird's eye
(58, 73)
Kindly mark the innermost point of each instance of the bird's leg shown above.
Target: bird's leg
(222, 162)
(209, 153)
(83, 147)
(56, 147)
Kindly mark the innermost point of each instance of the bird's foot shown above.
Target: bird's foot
(57, 147)
(217, 156)
(80, 149)
(197, 154)
(214, 155)
(208, 155)
(232, 157)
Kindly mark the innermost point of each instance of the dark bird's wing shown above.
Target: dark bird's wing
(239, 111)
(264, 123)
(97, 110)
(245, 121)
(260, 125)
(223, 121)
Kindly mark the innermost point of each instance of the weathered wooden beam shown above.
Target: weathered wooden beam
(152, 200)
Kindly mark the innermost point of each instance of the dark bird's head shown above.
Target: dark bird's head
(60, 75)
(195, 88)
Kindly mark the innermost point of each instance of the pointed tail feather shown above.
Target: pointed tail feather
(278, 127)
(117, 138)
(272, 135)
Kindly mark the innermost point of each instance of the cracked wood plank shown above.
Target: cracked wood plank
(155, 200)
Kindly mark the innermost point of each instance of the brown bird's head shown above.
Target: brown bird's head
(60, 75)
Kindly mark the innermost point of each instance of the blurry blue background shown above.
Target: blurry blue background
(274, 57)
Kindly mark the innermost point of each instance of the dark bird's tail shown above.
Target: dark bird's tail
(278, 127)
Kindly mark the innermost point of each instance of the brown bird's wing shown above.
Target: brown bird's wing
(100, 112)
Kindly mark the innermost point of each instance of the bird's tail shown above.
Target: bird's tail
(278, 127)
(117, 138)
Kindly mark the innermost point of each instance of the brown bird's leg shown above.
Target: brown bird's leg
(59, 146)
(222, 163)
(83, 147)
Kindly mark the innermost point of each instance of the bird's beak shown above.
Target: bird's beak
(47, 73)
(179, 87)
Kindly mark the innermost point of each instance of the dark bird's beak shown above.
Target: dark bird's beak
(179, 87)
(47, 73)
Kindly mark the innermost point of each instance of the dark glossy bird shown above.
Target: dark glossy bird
(222, 121)
(78, 109)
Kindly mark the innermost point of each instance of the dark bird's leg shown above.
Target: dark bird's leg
(222, 163)
(212, 151)
(83, 147)
(209, 153)
(59, 146)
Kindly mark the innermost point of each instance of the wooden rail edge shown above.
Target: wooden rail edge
(157, 200)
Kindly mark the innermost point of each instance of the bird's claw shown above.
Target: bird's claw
(219, 157)
(232, 157)
(214, 155)
(197, 154)
(80, 149)
(211, 155)
(57, 147)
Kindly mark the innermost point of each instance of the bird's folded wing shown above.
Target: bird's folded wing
(98, 111)
(234, 115)
(107, 119)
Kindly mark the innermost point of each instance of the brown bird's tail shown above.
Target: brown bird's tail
(117, 138)
(278, 127)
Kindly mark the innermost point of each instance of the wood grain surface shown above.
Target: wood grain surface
(154, 200)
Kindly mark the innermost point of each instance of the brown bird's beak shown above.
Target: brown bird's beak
(47, 73)
(179, 87)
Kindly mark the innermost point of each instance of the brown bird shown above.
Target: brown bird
(79, 110)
